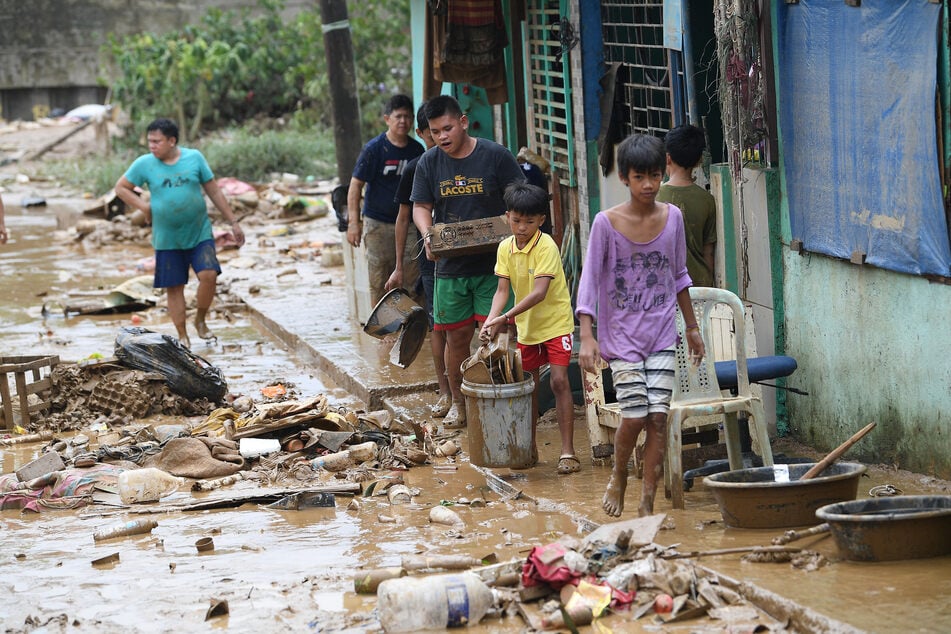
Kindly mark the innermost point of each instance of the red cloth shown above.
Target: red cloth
(545, 564)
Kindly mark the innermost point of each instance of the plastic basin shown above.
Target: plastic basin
(751, 498)
(887, 529)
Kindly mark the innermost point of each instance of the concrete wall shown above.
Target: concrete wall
(872, 345)
(50, 49)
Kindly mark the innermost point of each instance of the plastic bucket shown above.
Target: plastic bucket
(499, 418)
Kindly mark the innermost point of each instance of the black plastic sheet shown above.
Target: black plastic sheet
(186, 373)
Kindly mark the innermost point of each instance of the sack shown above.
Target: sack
(185, 372)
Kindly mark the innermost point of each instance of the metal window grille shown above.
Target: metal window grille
(633, 34)
(549, 86)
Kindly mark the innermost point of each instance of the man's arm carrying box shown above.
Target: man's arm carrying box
(469, 236)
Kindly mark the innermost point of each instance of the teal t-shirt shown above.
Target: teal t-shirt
(179, 212)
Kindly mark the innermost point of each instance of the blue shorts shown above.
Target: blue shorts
(171, 265)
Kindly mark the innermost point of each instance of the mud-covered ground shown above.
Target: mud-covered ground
(294, 570)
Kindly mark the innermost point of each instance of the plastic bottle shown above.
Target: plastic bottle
(333, 461)
(146, 485)
(363, 452)
(442, 515)
(434, 602)
(133, 527)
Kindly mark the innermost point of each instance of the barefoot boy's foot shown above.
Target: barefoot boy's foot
(185, 342)
(202, 329)
(613, 502)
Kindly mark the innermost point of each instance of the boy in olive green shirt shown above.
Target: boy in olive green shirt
(684, 145)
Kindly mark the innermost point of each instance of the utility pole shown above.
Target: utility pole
(342, 77)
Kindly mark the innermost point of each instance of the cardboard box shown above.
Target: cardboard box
(469, 236)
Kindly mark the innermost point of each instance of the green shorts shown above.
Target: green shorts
(460, 301)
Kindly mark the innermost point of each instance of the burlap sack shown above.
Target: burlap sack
(198, 458)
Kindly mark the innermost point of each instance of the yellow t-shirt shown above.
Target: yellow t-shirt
(552, 317)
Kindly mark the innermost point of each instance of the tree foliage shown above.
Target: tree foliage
(232, 67)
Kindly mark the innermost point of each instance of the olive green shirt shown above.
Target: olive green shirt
(700, 226)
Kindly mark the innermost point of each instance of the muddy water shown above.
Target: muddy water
(286, 570)
(40, 266)
(289, 570)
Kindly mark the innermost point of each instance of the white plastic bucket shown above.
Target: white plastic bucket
(499, 418)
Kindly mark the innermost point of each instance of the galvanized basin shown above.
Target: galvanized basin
(752, 498)
(886, 529)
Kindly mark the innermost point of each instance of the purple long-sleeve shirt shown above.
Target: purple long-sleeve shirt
(630, 288)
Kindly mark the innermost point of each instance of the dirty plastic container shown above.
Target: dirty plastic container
(146, 485)
(499, 418)
(133, 527)
(363, 452)
(435, 602)
(256, 447)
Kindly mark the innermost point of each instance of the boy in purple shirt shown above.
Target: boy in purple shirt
(634, 277)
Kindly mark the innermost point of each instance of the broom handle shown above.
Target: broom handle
(837, 452)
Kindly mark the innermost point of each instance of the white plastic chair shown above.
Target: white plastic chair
(696, 393)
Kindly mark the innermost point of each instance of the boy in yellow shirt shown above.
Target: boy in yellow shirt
(529, 263)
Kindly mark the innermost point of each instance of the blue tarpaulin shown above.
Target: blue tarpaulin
(859, 133)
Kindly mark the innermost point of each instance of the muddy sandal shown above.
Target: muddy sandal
(456, 417)
(568, 464)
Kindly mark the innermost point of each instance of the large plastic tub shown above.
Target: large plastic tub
(752, 498)
(886, 529)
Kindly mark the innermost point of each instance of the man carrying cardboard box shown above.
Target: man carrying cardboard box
(461, 181)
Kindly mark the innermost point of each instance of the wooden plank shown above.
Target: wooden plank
(39, 386)
(20, 380)
(6, 402)
(22, 364)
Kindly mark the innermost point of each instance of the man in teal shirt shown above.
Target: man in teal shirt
(181, 230)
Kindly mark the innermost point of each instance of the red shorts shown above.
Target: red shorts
(555, 351)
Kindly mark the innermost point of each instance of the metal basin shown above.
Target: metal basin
(886, 529)
(751, 498)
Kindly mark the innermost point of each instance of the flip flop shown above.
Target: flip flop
(568, 464)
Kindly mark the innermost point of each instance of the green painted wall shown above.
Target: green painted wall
(872, 345)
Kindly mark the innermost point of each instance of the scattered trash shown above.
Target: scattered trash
(410, 604)
(884, 490)
(133, 527)
(442, 515)
(368, 581)
(107, 560)
(185, 372)
(256, 447)
(146, 485)
(274, 391)
(205, 544)
(46, 463)
(32, 201)
(305, 499)
(218, 607)
(445, 562)
(399, 494)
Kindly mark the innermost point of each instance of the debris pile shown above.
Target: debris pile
(93, 394)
